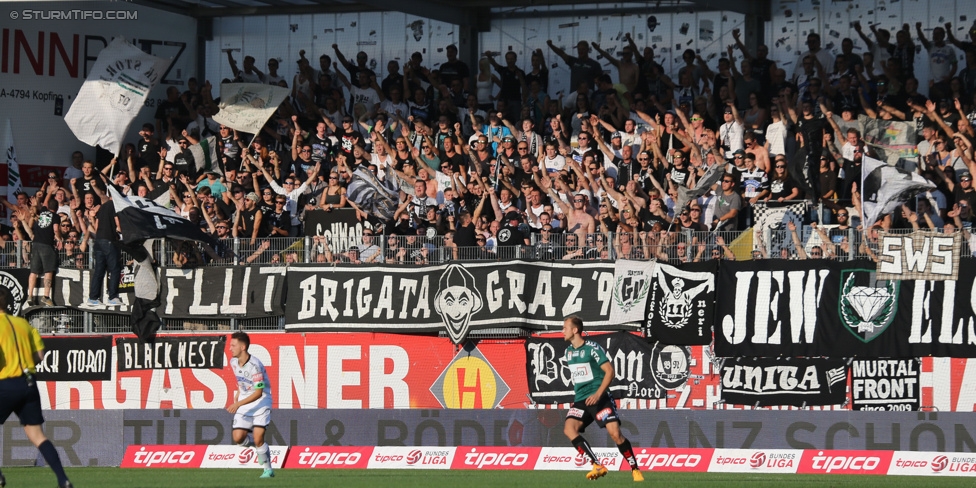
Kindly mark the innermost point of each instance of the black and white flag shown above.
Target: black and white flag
(889, 385)
(799, 382)
(681, 305)
(376, 197)
(884, 188)
(703, 186)
(141, 219)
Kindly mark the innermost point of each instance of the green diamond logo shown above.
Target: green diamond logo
(867, 305)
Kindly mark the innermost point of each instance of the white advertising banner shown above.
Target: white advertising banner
(241, 457)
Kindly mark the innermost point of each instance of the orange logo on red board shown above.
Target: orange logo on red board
(469, 382)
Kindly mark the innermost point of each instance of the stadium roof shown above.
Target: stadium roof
(461, 12)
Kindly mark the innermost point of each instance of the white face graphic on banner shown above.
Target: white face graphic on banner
(457, 299)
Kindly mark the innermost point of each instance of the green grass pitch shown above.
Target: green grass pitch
(299, 478)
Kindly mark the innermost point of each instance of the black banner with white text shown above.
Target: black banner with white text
(681, 305)
(800, 382)
(641, 370)
(208, 292)
(778, 308)
(194, 352)
(455, 297)
(340, 227)
(76, 359)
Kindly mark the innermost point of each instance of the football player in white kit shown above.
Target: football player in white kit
(252, 400)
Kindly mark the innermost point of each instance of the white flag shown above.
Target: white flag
(247, 106)
(13, 169)
(884, 188)
(111, 97)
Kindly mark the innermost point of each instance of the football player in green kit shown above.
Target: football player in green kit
(592, 373)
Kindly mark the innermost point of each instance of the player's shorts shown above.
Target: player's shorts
(25, 401)
(604, 412)
(43, 259)
(249, 421)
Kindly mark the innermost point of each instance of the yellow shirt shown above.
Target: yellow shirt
(28, 341)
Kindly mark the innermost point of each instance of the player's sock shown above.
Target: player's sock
(53, 460)
(628, 453)
(583, 448)
(263, 457)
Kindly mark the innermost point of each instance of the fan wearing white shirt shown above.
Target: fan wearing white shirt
(731, 132)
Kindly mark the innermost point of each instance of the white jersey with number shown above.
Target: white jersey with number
(250, 377)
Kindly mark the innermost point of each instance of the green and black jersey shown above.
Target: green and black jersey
(584, 363)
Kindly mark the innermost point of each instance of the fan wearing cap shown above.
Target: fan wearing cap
(731, 132)
(248, 218)
(183, 162)
(510, 238)
(961, 189)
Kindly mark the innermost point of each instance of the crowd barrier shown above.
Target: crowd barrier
(674, 246)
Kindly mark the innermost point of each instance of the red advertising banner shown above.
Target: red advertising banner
(165, 456)
(844, 462)
(368, 370)
(323, 370)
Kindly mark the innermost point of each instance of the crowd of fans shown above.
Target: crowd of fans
(488, 164)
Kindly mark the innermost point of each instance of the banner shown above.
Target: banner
(76, 359)
(841, 309)
(681, 306)
(195, 352)
(113, 94)
(640, 370)
(341, 228)
(306, 371)
(886, 384)
(919, 256)
(801, 382)
(456, 298)
(631, 284)
(221, 291)
(247, 106)
(15, 281)
(210, 292)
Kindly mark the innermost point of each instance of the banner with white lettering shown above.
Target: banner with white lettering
(15, 281)
(340, 227)
(221, 291)
(456, 298)
(886, 384)
(209, 292)
(681, 305)
(791, 308)
(801, 382)
(194, 352)
(641, 370)
(919, 256)
(76, 359)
